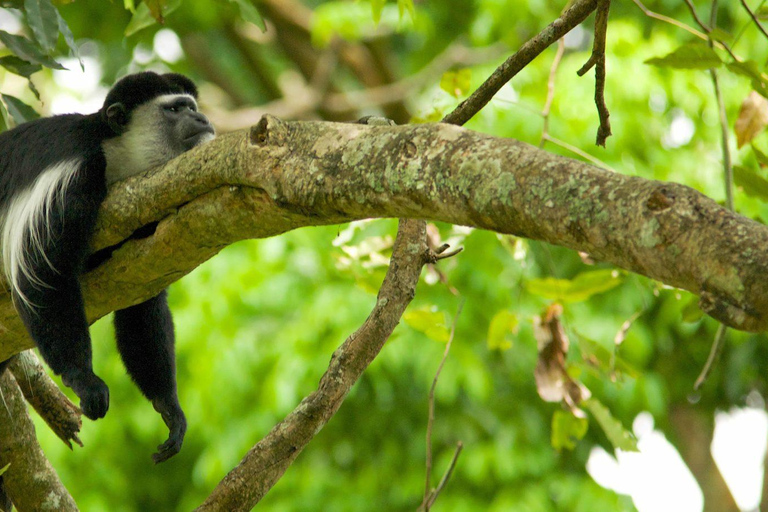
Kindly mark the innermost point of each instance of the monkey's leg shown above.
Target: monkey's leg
(145, 340)
(53, 312)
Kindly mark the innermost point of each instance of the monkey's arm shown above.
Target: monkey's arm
(145, 340)
(53, 311)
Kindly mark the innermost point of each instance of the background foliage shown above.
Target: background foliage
(257, 324)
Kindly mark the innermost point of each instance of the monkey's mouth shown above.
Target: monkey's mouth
(198, 138)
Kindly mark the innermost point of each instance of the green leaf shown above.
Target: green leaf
(69, 38)
(619, 437)
(406, 6)
(751, 70)
(27, 50)
(4, 121)
(143, 17)
(19, 66)
(376, 7)
(456, 83)
(688, 56)
(608, 359)
(430, 322)
(579, 289)
(5, 468)
(42, 18)
(762, 13)
(761, 157)
(250, 14)
(20, 111)
(567, 430)
(721, 35)
(752, 184)
(503, 323)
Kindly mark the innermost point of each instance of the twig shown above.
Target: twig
(737, 38)
(671, 21)
(714, 352)
(579, 152)
(446, 476)
(577, 13)
(754, 18)
(428, 493)
(597, 59)
(696, 18)
(551, 89)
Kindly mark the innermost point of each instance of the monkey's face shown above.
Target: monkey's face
(156, 132)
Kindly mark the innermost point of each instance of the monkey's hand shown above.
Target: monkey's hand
(92, 391)
(173, 416)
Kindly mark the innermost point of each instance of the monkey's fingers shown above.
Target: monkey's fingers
(173, 417)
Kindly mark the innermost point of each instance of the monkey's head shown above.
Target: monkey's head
(154, 119)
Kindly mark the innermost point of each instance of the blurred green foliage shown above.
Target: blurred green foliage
(256, 325)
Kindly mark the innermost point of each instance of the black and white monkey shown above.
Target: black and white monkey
(54, 174)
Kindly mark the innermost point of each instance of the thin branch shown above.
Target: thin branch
(727, 165)
(754, 18)
(444, 480)
(578, 151)
(53, 406)
(714, 353)
(431, 408)
(696, 18)
(671, 21)
(597, 59)
(577, 13)
(551, 89)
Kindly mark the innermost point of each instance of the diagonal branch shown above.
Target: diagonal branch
(577, 13)
(266, 462)
(30, 481)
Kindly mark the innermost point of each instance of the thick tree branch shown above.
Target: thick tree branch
(280, 176)
(30, 481)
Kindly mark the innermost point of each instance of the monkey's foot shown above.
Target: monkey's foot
(92, 391)
(173, 416)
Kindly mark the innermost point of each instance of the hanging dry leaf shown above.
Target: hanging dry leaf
(552, 380)
(753, 118)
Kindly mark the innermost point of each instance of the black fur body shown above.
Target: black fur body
(53, 177)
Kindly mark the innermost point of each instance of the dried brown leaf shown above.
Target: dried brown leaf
(753, 118)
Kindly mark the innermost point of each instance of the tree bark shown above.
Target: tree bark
(30, 481)
(280, 176)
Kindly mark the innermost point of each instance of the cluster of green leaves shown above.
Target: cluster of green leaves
(28, 56)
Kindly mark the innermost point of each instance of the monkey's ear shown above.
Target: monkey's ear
(117, 117)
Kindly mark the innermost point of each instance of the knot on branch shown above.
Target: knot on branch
(432, 256)
(268, 131)
(660, 199)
